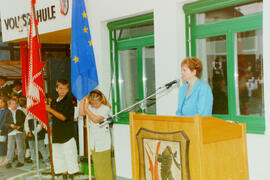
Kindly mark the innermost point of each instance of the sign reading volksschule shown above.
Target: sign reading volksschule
(52, 16)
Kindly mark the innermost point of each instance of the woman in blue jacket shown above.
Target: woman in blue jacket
(195, 97)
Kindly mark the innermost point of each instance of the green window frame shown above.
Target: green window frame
(228, 27)
(117, 44)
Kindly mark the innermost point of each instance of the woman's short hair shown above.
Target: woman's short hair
(193, 63)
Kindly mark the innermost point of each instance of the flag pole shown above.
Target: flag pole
(36, 147)
(33, 2)
(89, 148)
(83, 60)
(50, 149)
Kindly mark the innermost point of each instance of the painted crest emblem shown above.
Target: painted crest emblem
(64, 7)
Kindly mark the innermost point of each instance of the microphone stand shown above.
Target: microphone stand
(109, 120)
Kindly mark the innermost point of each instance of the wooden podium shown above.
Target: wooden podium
(207, 148)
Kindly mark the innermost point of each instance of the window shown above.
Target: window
(249, 66)
(213, 51)
(134, 31)
(227, 37)
(128, 77)
(229, 12)
(132, 65)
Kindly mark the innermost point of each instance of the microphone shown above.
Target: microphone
(109, 120)
(168, 85)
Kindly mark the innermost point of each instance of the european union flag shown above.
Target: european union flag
(83, 66)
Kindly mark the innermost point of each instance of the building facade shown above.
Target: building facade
(139, 46)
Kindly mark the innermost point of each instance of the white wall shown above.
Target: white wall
(259, 145)
(169, 50)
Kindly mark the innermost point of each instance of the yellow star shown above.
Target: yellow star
(90, 43)
(85, 29)
(84, 14)
(76, 59)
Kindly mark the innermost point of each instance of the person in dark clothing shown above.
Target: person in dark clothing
(63, 132)
(220, 101)
(5, 89)
(17, 88)
(13, 122)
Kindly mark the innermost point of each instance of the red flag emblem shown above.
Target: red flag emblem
(35, 92)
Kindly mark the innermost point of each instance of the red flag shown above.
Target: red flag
(24, 65)
(35, 91)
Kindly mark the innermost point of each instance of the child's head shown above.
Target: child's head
(17, 85)
(62, 87)
(22, 101)
(13, 103)
(3, 102)
(15, 96)
(96, 98)
(2, 80)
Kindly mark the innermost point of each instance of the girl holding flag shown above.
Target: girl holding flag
(97, 108)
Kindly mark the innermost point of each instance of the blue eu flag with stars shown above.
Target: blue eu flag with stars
(83, 66)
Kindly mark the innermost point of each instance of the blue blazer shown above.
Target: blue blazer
(199, 100)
